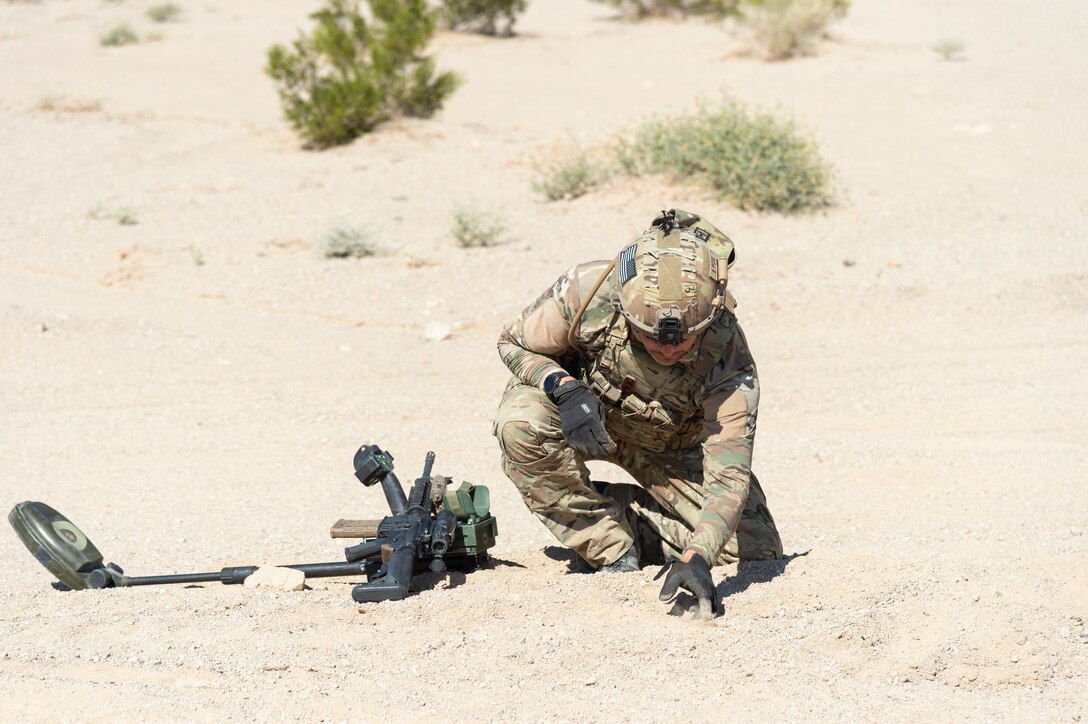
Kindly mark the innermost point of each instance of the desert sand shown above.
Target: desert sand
(190, 389)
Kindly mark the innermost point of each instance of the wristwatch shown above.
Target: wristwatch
(551, 382)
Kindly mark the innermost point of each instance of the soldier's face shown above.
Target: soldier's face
(666, 354)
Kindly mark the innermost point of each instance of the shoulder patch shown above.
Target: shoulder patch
(626, 264)
(703, 234)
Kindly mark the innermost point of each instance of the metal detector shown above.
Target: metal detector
(435, 529)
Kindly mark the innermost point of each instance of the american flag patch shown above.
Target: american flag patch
(627, 264)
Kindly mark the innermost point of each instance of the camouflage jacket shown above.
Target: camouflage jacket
(656, 407)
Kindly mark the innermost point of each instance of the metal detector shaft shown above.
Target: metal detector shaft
(238, 574)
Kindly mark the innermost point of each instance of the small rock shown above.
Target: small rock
(1022, 640)
(437, 331)
(284, 579)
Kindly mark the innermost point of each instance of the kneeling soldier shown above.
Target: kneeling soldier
(640, 362)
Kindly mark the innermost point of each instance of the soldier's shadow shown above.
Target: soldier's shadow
(574, 562)
(751, 572)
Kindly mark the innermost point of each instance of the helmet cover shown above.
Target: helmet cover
(670, 284)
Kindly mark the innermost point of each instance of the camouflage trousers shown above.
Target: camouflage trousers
(600, 521)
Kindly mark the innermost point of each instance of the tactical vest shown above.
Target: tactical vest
(654, 406)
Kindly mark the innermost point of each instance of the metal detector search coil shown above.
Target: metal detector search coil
(60, 546)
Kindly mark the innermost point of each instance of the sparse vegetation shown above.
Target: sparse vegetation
(126, 217)
(949, 49)
(62, 104)
(123, 216)
(567, 173)
(782, 28)
(347, 242)
(118, 36)
(164, 13)
(785, 28)
(754, 160)
(483, 16)
(644, 8)
(475, 228)
(351, 74)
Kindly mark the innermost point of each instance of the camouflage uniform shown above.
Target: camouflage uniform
(683, 431)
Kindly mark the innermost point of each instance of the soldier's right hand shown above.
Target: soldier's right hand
(582, 417)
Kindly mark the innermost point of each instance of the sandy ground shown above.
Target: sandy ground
(190, 389)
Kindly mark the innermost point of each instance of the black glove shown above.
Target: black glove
(582, 418)
(694, 577)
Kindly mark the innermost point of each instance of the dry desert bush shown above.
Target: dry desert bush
(569, 170)
(164, 13)
(785, 28)
(949, 49)
(64, 104)
(483, 16)
(118, 36)
(645, 8)
(754, 160)
(347, 242)
(473, 227)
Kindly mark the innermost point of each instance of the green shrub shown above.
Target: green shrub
(567, 172)
(352, 74)
(120, 35)
(473, 228)
(754, 160)
(785, 28)
(126, 217)
(482, 16)
(164, 13)
(343, 242)
(949, 49)
(646, 8)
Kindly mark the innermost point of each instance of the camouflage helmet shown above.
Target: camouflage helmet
(671, 281)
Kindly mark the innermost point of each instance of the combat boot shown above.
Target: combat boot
(627, 563)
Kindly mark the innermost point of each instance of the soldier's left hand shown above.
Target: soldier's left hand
(582, 418)
(694, 577)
